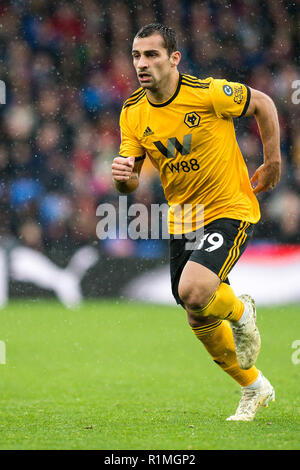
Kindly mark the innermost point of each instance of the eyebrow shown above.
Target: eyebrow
(149, 50)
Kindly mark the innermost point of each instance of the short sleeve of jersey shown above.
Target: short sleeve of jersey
(229, 99)
(130, 146)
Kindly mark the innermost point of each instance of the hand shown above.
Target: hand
(266, 176)
(122, 168)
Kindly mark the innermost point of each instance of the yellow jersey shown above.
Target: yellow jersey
(190, 139)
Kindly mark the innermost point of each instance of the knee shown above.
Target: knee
(195, 296)
(196, 320)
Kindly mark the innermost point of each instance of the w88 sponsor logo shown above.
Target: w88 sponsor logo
(184, 165)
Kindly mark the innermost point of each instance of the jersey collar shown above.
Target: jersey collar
(165, 103)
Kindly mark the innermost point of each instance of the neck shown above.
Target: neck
(165, 90)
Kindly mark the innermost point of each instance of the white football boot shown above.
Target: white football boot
(246, 335)
(253, 399)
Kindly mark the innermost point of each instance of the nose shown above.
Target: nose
(142, 62)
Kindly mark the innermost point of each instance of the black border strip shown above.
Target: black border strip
(204, 87)
(135, 93)
(160, 105)
(190, 78)
(194, 80)
(135, 100)
(134, 96)
(247, 101)
(136, 159)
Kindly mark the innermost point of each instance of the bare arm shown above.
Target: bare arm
(264, 110)
(125, 173)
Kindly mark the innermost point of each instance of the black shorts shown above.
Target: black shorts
(221, 244)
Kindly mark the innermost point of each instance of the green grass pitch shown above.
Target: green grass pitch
(122, 375)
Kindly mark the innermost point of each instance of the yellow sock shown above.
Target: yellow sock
(223, 304)
(218, 340)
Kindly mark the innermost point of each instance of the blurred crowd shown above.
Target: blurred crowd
(67, 69)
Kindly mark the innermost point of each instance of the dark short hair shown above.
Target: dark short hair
(168, 35)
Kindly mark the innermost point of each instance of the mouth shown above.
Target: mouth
(144, 77)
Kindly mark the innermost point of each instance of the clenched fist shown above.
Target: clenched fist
(124, 174)
(122, 168)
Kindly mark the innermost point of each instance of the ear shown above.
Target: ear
(175, 58)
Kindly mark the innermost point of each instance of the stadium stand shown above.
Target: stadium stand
(67, 70)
